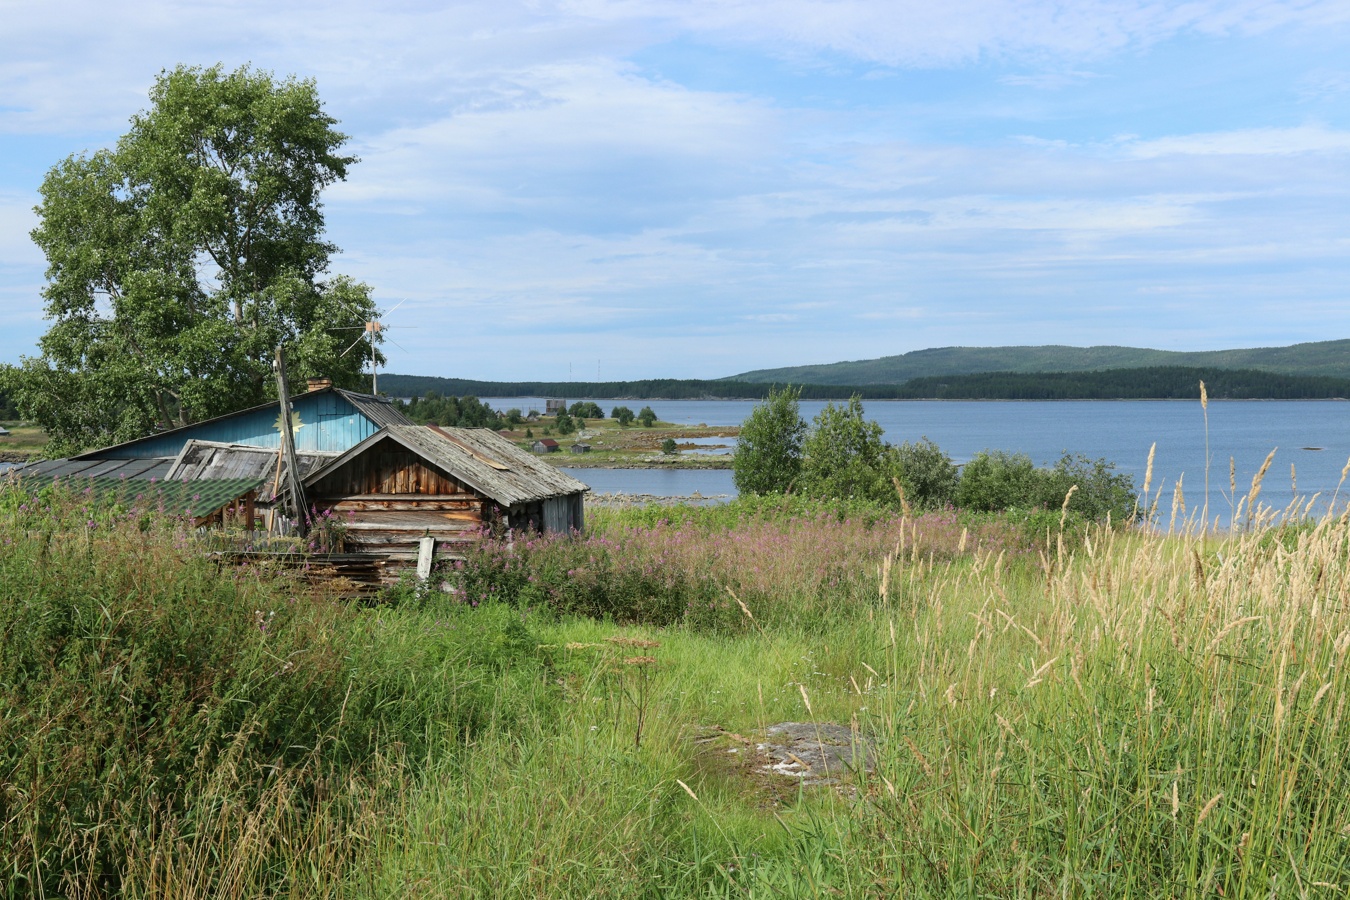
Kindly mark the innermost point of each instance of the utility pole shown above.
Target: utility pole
(372, 329)
(294, 487)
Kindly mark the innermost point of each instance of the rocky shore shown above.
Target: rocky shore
(619, 501)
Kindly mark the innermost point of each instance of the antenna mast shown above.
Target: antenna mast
(373, 328)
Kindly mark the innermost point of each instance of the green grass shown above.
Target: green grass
(24, 441)
(1141, 715)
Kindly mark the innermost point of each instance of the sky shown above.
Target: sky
(624, 189)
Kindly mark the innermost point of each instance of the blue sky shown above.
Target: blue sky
(694, 189)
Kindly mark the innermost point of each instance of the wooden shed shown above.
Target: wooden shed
(407, 481)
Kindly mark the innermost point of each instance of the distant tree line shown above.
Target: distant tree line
(467, 411)
(1150, 383)
(654, 389)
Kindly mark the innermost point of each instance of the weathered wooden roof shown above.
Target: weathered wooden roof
(379, 410)
(479, 457)
(212, 459)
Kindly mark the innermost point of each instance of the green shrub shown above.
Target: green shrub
(844, 456)
(768, 457)
(929, 476)
(995, 480)
(586, 409)
(1102, 491)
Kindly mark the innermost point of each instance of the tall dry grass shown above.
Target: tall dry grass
(1159, 717)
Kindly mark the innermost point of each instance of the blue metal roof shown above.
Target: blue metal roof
(327, 420)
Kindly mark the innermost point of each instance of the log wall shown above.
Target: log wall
(390, 498)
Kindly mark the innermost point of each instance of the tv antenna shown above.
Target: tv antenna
(368, 332)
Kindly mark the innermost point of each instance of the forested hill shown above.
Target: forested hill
(1319, 358)
(1150, 383)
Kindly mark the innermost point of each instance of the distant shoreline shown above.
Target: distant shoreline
(1155, 383)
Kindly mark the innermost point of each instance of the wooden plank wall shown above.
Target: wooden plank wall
(386, 471)
(392, 498)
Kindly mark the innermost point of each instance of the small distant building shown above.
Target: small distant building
(553, 407)
(545, 445)
(581, 448)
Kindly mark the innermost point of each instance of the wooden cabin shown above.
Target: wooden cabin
(407, 481)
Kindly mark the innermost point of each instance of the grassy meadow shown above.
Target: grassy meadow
(1083, 713)
(23, 442)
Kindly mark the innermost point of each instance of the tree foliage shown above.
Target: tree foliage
(928, 474)
(586, 409)
(453, 412)
(997, 480)
(844, 456)
(768, 457)
(623, 415)
(179, 259)
(646, 417)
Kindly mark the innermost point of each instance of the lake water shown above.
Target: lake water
(1120, 431)
(658, 482)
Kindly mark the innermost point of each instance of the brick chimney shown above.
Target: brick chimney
(318, 384)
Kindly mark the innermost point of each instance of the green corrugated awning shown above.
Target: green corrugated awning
(192, 499)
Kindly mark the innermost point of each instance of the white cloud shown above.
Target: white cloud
(923, 33)
(522, 180)
(1321, 84)
(534, 133)
(70, 64)
(1048, 81)
(1246, 142)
